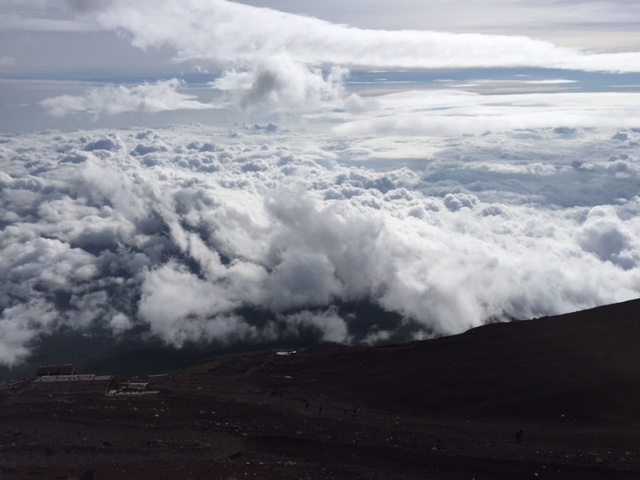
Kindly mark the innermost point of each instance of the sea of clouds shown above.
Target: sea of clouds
(182, 229)
(354, 217)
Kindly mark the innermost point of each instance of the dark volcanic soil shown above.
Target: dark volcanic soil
(441, 409)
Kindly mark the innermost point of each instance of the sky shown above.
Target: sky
(168, 167)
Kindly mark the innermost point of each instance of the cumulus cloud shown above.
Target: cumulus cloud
(120, 323)
(606, 236)
(19, 325)
(190, 234)
(278, 83)
(115, 99)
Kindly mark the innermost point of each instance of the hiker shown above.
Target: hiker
(354, 412)
(320, 410)
(306, 405)
(344, 413)
(519, 434)
(396, 422)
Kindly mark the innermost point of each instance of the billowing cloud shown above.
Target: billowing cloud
(279, 84)
(113, 99)
(195, 234)
(606, 236)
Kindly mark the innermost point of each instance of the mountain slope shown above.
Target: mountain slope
(583, 366)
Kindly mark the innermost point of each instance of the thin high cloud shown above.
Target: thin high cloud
(572, 23)
(226, 33)
(453, 112)
(197, 235)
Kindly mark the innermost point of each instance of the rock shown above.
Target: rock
(88, 475)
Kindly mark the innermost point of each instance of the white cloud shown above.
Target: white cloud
(176, 303)
(200, 236)
(227, 33)
(278, 83)
(575, 24)
(120, 323)
(48, 41)
(271, 61)
(371, 217)
(112, 100)
(451, 112)
(607, 237)
(19, 326)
